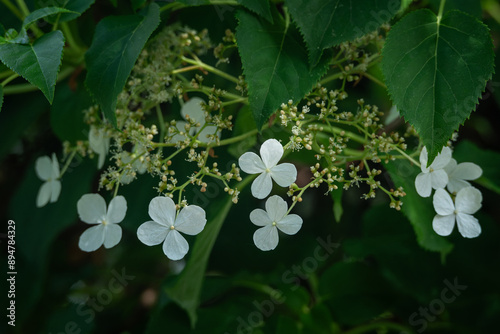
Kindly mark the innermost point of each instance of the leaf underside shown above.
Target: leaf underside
(275, 64)
(436, 71)
(116, 45)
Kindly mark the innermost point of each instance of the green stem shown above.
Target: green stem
(66, 165)
(9, 79)
(24, 88)
(162, 122)
(24, 9)
(70, 39)
(441, 10)
(13, 9)
(209, 68)
(403, 153)
(372, 78)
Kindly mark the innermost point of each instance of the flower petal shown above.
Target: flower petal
(439, 178)
(43, 168)
(162, 210)
(276, 208)
(423, 184)
(92, 238)
(284, 174)
(442, 158)
(443, 204)
(191, 220)
(290, 224)
(266, 238)
(260, 217)
(450, 167)
(55, 167)
(112, 235)
(443, 225)
(468, 225)
(175, 246)
(194, 110)
(44, 194)
(55, 190)
(467, 171)
(251, 163)
(116, 210)
(91, 208)
(271, 152)
(468, 200)
(151, 233)
(455, 185)
(262, 186)
(208, 130)
(423, 161)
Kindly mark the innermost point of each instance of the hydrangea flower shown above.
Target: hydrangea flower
(92, 210)
(165, 226)
(271, 152)
(433, 176)
(459, 173)
(274, 218)
(467, 202)
(194, 111)
(99, 143)
(138, 165)
(48, 171)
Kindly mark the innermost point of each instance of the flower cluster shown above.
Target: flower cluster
(461, 200)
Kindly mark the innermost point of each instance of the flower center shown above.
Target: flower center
(268, 170)
(274, 223)
(172, 227)
(431, 169)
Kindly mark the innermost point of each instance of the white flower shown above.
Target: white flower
(48, 171)
(195, 112)
(459, 173)
(467, 202)
(271, 152)
(137, 161)
(92, 210)
(433, 176)
(273, 219)
(165, 226)
(99, 143)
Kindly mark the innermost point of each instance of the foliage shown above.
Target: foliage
(218, 105)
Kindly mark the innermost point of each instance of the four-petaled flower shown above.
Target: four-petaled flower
(48, 171)
(467, 202)
(459, 173)
(274, 218)
(165, 226)
(92, 210)
(195, 112)
(271, 152)
(99, 143)
(433, 176)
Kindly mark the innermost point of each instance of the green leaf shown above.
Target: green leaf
(38, 63)
(44, 12)
(275, 64)
(66, 116)
(337, 203)
(419, 210)
(435, 71)
(327, 23)
(187, 289)
(1, 97)
(260, 7)
(471, 7)
(117, 42)
(77, 7)
(489, 161)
